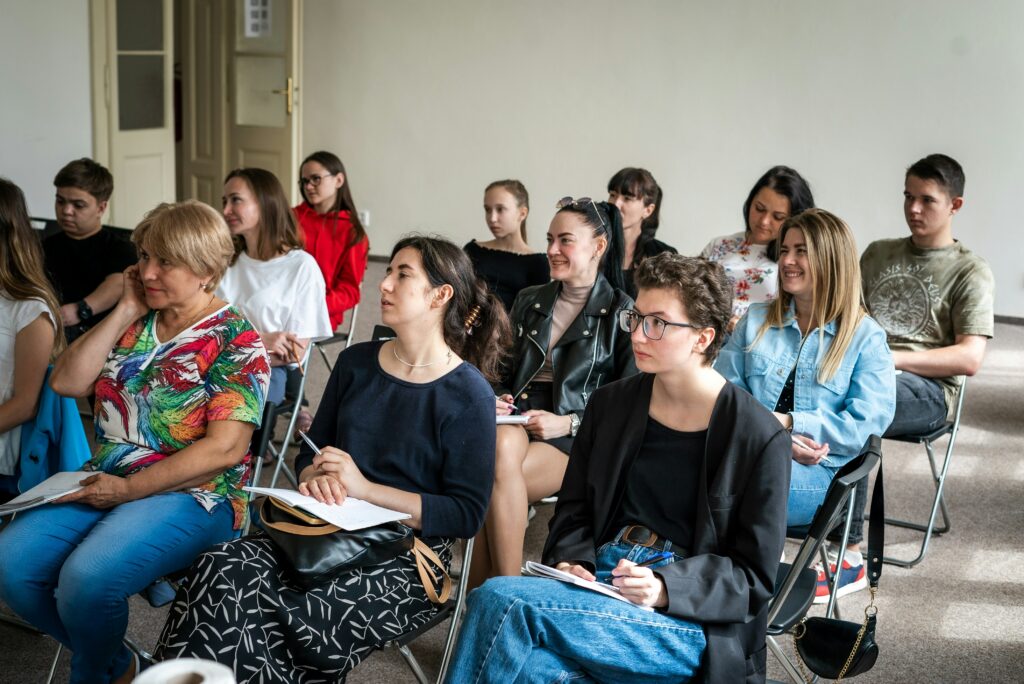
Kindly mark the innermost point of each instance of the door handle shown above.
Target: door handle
(289, 92)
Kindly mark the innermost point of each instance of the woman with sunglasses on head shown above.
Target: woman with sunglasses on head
(332, 231)
(271, 279)
(638, 198)
(507, 263)
(565, 346)
(815, 358)
(406, 424)
(749, 257)
(675, 494)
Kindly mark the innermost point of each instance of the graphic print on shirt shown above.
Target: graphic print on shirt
(901, 299)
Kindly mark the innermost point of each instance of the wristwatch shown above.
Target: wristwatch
(84, 311)
(574, 424)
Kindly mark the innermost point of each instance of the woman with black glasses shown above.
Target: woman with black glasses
(565, 346)
(675, 494)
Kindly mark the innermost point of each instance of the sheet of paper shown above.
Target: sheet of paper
(352, 514)
(541, 570)
(512, 420)
(53, 487)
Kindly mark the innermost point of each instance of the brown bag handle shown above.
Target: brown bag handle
(425, 556)
(315, 526)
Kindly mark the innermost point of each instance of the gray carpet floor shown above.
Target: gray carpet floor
(956, 617)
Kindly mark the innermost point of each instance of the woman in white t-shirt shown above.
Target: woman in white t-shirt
(29, 323)
(749, 257)
(276, 284)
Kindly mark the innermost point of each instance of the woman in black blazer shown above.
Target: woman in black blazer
(675, 493)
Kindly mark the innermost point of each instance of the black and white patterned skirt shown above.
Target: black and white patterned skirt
(237, 607)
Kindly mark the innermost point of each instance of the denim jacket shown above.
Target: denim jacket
(858, 401)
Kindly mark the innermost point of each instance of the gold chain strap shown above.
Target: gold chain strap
(869, 611)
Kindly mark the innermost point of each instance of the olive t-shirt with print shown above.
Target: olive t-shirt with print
(924, 298)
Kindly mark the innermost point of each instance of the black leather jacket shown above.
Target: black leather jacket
(592, 352)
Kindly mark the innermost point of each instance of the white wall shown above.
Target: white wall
(429, 101)
(45, 115)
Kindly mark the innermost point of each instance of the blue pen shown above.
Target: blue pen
(664, 555)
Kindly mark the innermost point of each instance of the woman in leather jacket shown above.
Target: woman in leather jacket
(565, 345)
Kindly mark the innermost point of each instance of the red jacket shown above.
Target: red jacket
(327, 238)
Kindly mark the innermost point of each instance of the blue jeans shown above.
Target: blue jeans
(920, 406)
(528, 629)
(69, 569)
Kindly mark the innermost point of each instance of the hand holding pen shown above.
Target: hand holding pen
(638, 583)
(808, 452)
(324, 486)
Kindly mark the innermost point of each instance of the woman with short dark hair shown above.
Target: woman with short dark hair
(675, 494)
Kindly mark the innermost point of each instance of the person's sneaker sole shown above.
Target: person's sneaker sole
(849, 588)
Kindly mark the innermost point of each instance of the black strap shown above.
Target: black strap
(876, 531)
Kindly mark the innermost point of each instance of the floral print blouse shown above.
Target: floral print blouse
(754, 276)
(155, 398)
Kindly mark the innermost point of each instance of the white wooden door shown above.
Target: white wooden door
(264, 118)
(138, 80)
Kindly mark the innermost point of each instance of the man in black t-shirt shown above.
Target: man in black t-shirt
(86, 259)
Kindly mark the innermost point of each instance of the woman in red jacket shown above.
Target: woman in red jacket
(332, 231)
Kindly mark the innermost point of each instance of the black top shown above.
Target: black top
(661, 485)
(436, 439)
(649, 249)
(506, 273)
(77, 267)
(785, 402)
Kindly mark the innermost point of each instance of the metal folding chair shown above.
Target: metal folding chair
(796, 582)
(290, 408)
(951, 428)
(452, 609)
(346, 336)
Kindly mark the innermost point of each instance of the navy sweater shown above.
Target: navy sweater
(435, 439)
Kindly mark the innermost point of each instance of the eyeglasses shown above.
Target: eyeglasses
(580, 203)
(653, 326)
(313, 180)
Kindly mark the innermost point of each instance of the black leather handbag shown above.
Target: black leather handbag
(836, 649)
(314, 552)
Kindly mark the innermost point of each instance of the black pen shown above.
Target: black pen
(665, 555)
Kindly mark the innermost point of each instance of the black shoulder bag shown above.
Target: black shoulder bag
(833, 648)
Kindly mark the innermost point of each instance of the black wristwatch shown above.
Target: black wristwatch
(84, 311)
(574, 424)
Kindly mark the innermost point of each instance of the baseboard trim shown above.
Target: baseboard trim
(378, 258)
(1012, 320)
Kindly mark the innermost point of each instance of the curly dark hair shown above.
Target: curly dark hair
(702, 287)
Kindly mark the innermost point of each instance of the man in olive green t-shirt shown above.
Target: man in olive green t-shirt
(932, 295)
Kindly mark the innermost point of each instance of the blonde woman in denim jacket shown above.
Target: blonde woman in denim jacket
(815, 358)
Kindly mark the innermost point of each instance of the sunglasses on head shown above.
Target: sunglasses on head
(582, 203)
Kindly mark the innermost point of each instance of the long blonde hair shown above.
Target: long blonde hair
(22, 275)
(835, 282)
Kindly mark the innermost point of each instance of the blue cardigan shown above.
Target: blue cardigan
(52, 442)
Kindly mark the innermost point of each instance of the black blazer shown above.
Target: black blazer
(592, 351)
(727, 581)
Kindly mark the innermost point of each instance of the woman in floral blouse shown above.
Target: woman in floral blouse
(180, 378)
(749, 257)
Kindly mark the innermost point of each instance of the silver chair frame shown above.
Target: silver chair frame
(347, 336)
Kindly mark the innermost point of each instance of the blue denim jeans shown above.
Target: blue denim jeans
(69, 569)
(920, 405)
(528, 629)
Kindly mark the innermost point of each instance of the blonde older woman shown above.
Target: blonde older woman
(179, 378)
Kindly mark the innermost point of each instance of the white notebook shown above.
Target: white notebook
(513, 420)
(51, 488)
(541, 570)
(351, 514)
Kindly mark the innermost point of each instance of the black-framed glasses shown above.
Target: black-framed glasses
(313, 180)
(580, 203)
(653, 326)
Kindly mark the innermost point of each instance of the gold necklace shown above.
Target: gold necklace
(394, 350)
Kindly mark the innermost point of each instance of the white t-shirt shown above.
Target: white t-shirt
(285, 294)
(14, 316)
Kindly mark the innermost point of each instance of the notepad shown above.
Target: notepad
(351, 514)
(513, 420)
(48, 490)
(609, 590)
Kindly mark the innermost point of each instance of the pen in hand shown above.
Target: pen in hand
(665, 555)
(307, 440)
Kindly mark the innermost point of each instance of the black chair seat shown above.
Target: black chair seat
(797, 602)
(927, 437)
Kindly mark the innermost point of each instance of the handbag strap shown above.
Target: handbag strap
(425, 557)
(293, 528)
(876, 532)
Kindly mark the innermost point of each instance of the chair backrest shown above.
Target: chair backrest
(382, 332)
(828, 515)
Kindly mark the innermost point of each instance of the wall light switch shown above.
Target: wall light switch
(364, 217)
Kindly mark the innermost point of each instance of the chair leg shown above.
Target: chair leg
(938, 505)
(414, 665)
(786, 663)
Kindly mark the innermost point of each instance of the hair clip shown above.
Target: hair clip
(471, 319)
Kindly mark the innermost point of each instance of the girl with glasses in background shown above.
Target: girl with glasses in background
(675, 494)
(507, 263)
(566, 344)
